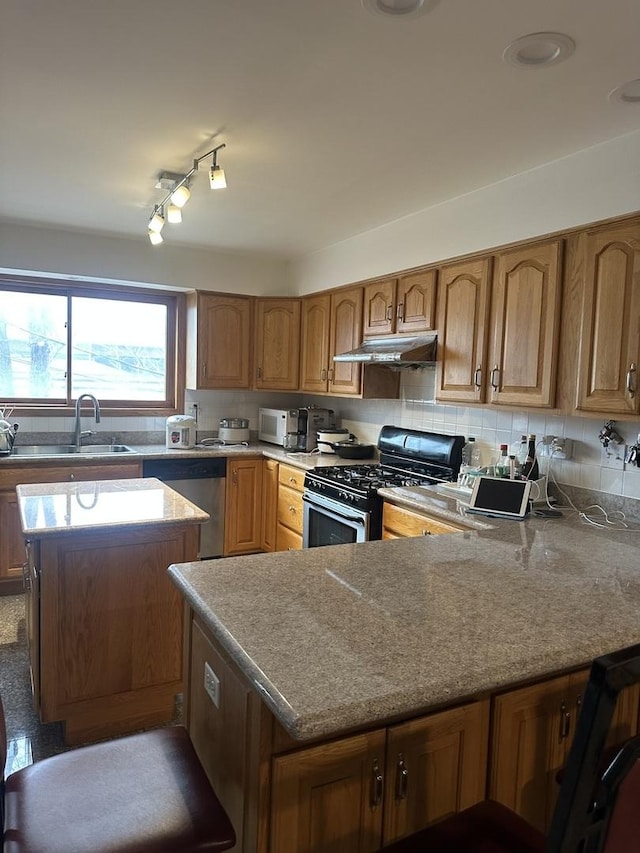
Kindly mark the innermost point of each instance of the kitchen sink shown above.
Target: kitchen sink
(68, 449)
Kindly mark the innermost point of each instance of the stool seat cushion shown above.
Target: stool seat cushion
(487, 827)
(146, 793)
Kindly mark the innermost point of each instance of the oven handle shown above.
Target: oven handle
(334, 509)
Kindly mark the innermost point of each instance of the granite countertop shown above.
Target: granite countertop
(347, 636)
(47, 509)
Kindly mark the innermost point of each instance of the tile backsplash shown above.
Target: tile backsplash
(490, 426)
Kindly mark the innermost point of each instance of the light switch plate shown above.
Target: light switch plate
(613, 456)
(212, 685)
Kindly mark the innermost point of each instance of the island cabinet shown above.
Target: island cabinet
(398, 521)
(243, 506)
(610, 334)
(403, 305)
(356, 792)
(290, 508)
(218, 340)
(532, 731)
(269, 504)
(498, 327)
(277, 344)
(11, 539)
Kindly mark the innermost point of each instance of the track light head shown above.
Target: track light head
(217, 178)
(155, 237)
(181, 195)
(174, 214)
(156, 222)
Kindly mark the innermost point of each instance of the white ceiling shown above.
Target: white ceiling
(336, 120)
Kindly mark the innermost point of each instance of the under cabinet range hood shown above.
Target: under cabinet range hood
(395, 351)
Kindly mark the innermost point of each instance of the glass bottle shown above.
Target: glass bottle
(530, 470)
(502, 465)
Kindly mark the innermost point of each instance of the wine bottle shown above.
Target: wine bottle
(530, 469)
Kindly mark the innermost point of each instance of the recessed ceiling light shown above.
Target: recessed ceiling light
(538, 50)
(628, 93)
(400, 8)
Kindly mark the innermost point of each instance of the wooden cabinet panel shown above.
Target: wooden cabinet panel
(269, 504)
(398, 521)
(290, 508)
(12, 554)
(435, 766)
(243, 502)
(525, 322)
(345, 334)
(291, 477)
(325, 798)
(218, 340)
(610, 335)
(277, 336)
(314, 369)
(287, 539)
(400, 305)
(463, 330)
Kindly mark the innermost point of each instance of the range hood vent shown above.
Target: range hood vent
(396, 351)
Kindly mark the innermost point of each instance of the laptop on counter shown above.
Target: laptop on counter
(499, 497)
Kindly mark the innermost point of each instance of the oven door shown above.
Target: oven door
(327, 522)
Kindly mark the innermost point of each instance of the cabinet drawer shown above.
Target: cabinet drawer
(291, 477)
(290, 508)
(58, 473)
(287, 539)
(403, 522)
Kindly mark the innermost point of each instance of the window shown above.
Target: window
(60, 341)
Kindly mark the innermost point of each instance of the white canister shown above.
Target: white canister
(181, 432)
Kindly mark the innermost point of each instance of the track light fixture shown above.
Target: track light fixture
(179, 193)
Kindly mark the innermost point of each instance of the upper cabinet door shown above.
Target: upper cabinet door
(277, 344)
(218, 341)
(379, 307)
(610, 345)
(345, 335)
(315, 343)
(416, 302)
(462, 330)
(525, 316)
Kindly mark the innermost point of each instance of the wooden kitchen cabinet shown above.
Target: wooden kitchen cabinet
(398, 521)
(498, 329)
(243, 507)
(277, 344)
(403, 305)
(463, 330)
(290, 508)
(345, 333)
(533, 728)
(435, 767)
(314, 361)
(12, 555)
(329, 797)
(610, 332)
(269, 504)
(218, 340)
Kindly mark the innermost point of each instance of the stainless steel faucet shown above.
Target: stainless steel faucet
(96, 413)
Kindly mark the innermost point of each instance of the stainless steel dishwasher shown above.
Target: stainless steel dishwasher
(201, 481)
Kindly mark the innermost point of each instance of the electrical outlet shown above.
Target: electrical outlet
(212, 685)
(613, 456)
(556, 447)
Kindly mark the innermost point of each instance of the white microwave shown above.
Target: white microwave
(274, 424)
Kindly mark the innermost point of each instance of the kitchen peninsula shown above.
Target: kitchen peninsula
(348, 694)
(104, 624)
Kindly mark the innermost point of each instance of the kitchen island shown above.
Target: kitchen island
(104, 624)
(327, 664)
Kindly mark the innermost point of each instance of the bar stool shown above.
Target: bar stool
(597, 812)
(146, 793)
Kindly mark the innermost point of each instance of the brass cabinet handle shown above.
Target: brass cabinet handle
(293, 480)
(377, 784)
(258, 373)
(389, 312)
(426, 532)
(565, 721)
(323, 374)
(494, 383)
(234, 476)
(477, 377)
(400, 311)
(630, 377)
(292, 510)
(331, 374)
(402, 778)
(26, 577)
(204, 368)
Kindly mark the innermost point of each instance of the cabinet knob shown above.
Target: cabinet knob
(426, 532)
(293, 480)
(72, 476)
(402, 778)
(292, 510)
(377, 784)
